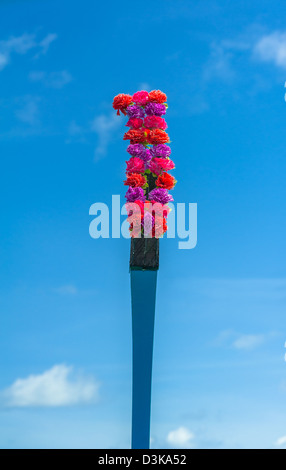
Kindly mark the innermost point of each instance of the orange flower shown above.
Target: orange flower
(157, 96)
(136, 136)
(120, 102)
(135, 180)
(157, 136)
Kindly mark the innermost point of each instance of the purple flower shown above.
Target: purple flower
(135, 149)
(160, 195)
(148, 222)
(138, 150)
(161, 151)
(135, 111)
(146, 156)
(134, 194)
(154, 109)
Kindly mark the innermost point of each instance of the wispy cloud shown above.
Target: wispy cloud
(219, 64)
(28, 112)
(227, 55)
(272, 48)
(104, 126)
(55, 387)
(267, 289)
(23, 44)
(180, 438)
(68, 289)
(45, 43)
(281, 442)
(242, 342)
(248, 342)
(144, 86)
(51, 79)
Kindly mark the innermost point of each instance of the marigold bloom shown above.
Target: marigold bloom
(157, 96)
(157, 136)
(136, 136)
(141, 97)
(135, 165)
(120, 102)
(165, 181)
(155, 122)
(135, 180)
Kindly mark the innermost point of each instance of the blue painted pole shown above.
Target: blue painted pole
(143, 296)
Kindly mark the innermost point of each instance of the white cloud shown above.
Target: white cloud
(219, 64)
(104, 127)
(265, 289)
(248, 342)
(281, 441)
(55, 387)
(51, 79)
(46, 42)
(180, 437)
(68, 289)
(272, 48)
(29, 111)
(21, 45)
(144, 86)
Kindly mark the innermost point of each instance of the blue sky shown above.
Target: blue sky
(219, 371)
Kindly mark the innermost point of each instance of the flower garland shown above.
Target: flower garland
(149, 163)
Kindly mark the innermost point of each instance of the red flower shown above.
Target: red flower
(136, 136)
(157, 136)
(140, 204)
(155, 122)
(120, 102)
(165, 181)
(135, 180)
(135, 226)
(157, 96)
(135, 123)
(160, 227)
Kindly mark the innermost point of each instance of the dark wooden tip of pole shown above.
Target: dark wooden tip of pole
(144, 254)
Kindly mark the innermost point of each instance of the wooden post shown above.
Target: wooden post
(144, 263)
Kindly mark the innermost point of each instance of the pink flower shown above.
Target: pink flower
(141, 98)
(135, 123)
(135, 165)
(155, 122)
(159, 165)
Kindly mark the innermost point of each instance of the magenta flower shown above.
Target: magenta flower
(141, 98)
(135, 165)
